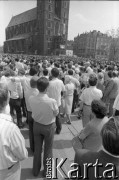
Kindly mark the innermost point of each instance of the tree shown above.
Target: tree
(114, 47)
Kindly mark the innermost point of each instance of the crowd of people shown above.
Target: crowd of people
(38, 87)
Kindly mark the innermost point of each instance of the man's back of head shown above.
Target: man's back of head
(55, 72)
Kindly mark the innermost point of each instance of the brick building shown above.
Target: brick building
(93, 44)
(41, 30)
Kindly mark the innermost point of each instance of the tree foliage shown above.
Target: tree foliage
(114, 48)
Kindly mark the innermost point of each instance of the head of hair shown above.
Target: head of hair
(69, 66)
(4, 96)
(67, 79)
(92, 80)
(16, 59)
(99, 109)
(55, 72)
(110, 74)
(70, 72)
(100, 76)
(109, 68)
(110, 136)
(33, 71)
(42, 84)
(33, 82)
(56, 64)
(45, 72)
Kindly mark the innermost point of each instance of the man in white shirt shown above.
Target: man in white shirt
(18, 64)
(87, 96)
(56, 87)
(76, 85)
(89, 70)
(44, 112)
(12, 143)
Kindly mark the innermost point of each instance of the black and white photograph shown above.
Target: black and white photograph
(59, 89)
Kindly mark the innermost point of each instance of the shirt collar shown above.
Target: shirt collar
(5, 117)
(42, 94)
(54, 78)
(92, 87)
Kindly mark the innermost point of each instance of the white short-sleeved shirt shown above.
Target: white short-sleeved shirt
(90, 94)
(89, 70)
(29, 93)
(12, 143)
(74, 81)
(55, 88)
(43, 108)
(116, 103)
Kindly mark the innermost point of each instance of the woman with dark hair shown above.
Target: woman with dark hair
(90, 136)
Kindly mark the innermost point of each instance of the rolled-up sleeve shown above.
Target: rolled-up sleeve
(55, 108)
(18, 144)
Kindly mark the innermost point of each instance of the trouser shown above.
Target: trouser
(42, 133)
(23, 105)
(13, 173)
(15, 104)
(31, 135)
(58, 122)
(75, 100)
(117, 113)
(111, 102)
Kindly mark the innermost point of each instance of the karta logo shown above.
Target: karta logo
(56, 168)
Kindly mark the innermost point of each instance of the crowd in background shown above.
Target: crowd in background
(38, 86)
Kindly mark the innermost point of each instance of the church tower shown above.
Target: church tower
(52, 24)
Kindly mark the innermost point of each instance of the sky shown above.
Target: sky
(84, 16)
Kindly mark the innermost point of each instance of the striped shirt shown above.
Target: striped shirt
(12, 143)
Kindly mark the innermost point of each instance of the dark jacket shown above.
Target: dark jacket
(111, 90)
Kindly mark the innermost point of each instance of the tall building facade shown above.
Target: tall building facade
(114, 50)
(42, 30)
(103, 46)
(92, 45)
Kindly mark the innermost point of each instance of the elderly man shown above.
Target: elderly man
(12, 144)
(103, 164)
(110, 92)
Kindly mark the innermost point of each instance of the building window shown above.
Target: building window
(49, 16)
(49, 24)
(48, 44)
(49, 32)
(64, 14)
(49, 7)
(50, 1)
(65, 4)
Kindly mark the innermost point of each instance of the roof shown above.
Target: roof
(23, 17)
(20, 36)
